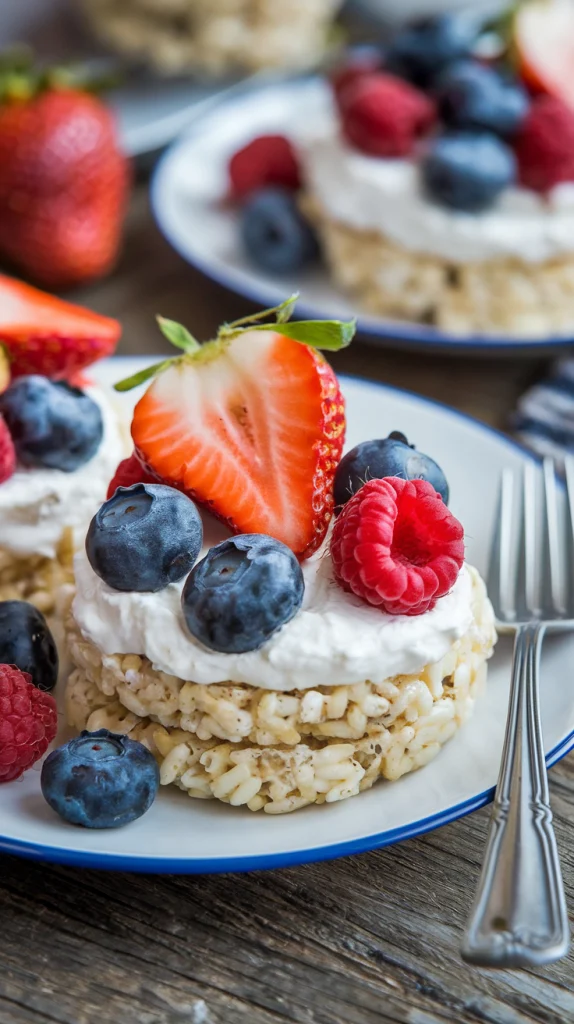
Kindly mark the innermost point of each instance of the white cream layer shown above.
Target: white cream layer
(36, 504)
(376, 194)
(335, 639)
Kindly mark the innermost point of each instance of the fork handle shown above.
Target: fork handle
(519, 916)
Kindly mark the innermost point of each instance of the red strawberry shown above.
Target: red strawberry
(63, 186)
(544, 145)
(130, 471)
(267, 160)
(45, 335)
(397, 546)
(251, 426)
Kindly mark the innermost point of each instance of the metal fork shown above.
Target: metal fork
(519, 916)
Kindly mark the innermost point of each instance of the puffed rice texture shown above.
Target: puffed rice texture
(502, 296)
(35, 578)
(215, 36)
(281, 751)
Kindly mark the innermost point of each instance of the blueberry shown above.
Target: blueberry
(144, 537)
(26, 641)
(419, 53)
(471, 95)
(392, 456)
(52, 423)
(242, 592)
(467, 171)
(275, 233)
(100, 780)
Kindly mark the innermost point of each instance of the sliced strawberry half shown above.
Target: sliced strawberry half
(544, 42)
(46, 335)
(251, 426)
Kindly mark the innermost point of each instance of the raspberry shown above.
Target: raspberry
(397, 546)
(267, 160)
(28, 722)
(130, 471)
(544, 145)
(358, 67)
(7, 453)
(384, 116)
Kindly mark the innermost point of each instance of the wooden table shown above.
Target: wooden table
(361, 940)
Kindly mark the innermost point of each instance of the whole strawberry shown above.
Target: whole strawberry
(63, 185)
(28, 722)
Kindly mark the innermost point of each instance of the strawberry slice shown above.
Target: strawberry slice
(251, 426)
(544, 42)
(45, 335)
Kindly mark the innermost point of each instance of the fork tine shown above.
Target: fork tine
(531, 579)
(553, 533)
(506, 592)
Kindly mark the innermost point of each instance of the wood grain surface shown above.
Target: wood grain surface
(373, 938)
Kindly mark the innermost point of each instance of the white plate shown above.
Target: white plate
(183, 835)
(190, 184)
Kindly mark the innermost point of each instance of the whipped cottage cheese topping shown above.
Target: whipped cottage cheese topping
(335, 639)
(377, 194)
(36, 504)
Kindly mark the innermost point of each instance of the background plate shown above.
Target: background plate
(183, 835)
(188, 193)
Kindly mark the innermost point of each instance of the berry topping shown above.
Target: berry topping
(363, 61)
(250, 425)
(471, 95)
(467, 171)
(397, 546)
(52, 424)
(7, 453)
(100, 780)
(545, 145)
(267, 160)
(543, 42)
(384, 116)
(241, 593)
(144, 537)
(28, 723)
(275, 233)
(45, 335)
(419, 53)
(26, 641)
(392, 456)
(130, 471)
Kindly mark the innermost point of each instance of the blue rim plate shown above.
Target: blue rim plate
(187, 192)
(183, 836)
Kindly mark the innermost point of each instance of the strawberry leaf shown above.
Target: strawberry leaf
(330, 335)
(178, 335)
(281, 313)
(142, 376)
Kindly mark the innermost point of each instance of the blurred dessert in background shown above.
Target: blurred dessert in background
(215, 36)
(440, 182)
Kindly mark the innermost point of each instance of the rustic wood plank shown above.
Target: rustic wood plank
(361, 940)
